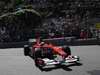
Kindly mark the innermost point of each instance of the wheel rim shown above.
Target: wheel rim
(40, 62)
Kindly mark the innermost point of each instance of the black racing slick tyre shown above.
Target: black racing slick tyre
(26, 50)
(67, 50)
(39, 63)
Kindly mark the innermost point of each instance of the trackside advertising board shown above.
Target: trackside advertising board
(97, 25)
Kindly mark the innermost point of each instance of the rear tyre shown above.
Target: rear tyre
(31, 53)
(50, 53)
(26, 50)
(67, 50)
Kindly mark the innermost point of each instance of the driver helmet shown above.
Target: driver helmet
(42, 43)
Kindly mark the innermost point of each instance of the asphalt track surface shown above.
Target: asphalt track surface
(13, 62)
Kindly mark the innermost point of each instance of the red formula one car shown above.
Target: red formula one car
(47, 54)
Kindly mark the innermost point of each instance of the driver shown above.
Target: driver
(56, 49)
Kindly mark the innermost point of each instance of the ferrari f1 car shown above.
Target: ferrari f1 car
(47, 54)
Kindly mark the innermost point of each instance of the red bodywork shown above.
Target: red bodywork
(56, 49)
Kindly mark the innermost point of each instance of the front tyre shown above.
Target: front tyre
(39, 63)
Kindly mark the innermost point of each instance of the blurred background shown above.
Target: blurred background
(24, 19)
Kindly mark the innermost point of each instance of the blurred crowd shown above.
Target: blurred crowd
(69, 3)
(70, 18)
(62, 27)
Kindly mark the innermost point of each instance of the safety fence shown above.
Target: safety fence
(57, 41)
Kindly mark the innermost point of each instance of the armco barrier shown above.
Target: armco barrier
(61, 41)
(56, 41)
(13, 44)
(73, 41)
(85, 42)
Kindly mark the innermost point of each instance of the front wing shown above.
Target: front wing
(67, 60)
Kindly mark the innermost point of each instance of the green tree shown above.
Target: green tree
(18, 2)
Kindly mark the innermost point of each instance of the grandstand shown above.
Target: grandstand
(59, 18)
